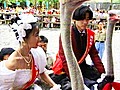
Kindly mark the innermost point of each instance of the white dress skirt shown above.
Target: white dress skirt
(14, 80)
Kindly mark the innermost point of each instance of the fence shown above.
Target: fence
(46, 20)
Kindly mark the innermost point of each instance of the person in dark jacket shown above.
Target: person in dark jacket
(83, 44)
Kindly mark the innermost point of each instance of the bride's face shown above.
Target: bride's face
(33, 38)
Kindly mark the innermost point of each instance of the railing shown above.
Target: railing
(7, 17)
(94, 26)
(50, 23)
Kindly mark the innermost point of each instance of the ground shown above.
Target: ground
(7, 39)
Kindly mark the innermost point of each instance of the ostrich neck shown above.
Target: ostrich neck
(74, 70)
(109, 34)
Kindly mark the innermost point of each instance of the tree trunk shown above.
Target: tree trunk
(66, 8)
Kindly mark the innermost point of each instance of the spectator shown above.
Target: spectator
(100, 37)
(43, 43)
(5, 53)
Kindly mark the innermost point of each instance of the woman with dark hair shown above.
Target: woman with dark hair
(28, 61)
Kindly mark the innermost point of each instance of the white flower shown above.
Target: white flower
(28, 18)
(21, 33)
(27, 26)
(23, 25)
(22, 28)
(14, 26)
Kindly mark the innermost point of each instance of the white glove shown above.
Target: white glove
(102, 77)
(36, 87)
(56, 87)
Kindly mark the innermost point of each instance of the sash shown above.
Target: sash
(60, 58)
(90, 40)
(35, 73)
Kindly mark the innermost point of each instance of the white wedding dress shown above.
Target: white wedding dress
(13, 80)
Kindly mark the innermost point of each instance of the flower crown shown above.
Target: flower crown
(23, 25)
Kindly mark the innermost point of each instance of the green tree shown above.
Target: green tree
(51, 3)
(115, 1)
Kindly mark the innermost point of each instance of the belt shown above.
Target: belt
(99, 41)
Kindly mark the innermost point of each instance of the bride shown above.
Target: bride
(28, 61)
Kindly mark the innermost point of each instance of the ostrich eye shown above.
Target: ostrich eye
(111, 14)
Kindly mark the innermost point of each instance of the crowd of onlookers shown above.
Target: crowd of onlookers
(43, 15)
(51, 18)
(30, 10)
(100, 15)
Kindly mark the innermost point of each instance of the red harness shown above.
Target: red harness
(109, 86)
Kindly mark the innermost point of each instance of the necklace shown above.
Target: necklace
(28, 62)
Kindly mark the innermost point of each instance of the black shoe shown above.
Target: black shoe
(107, 79)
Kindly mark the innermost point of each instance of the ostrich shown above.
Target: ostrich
(114, 16)
(66, 9)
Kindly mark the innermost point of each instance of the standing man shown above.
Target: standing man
(83, 44)
(100, 37)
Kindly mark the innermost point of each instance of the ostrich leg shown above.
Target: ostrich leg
(113, 18)
(66, 8)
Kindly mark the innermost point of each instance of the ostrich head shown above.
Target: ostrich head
(114, 15)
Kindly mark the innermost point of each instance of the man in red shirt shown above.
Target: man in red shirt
(83, 44)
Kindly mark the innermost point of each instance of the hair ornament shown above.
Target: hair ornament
(22, 28)
(23, 25)
(28, 18)
(27, 26)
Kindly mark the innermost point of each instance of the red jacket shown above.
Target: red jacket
(60, 64)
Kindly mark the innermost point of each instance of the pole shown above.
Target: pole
(111, 4)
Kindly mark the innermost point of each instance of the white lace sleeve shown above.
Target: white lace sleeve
(39, 58)
(7, 77)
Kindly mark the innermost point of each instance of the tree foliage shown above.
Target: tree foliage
(116, 1)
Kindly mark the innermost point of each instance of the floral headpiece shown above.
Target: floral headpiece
(22, 25)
